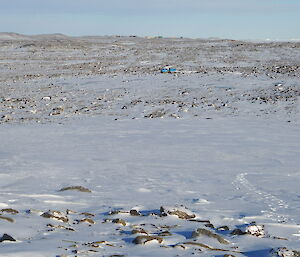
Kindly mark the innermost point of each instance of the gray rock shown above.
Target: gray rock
(205, 232)
(284, 252)
(145, 239)
(180, 212)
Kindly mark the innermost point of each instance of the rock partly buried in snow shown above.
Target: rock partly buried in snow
(180, 212)
(256, 230)
(7, 219)
(139, 231)
(134, 212)
(284, 252)
(87, 214)
(9, 210)
(6, 118)
(165, 233)
(119, 221)
(56, 111)
(205, 232)
(201, 245)
(60, 227)
(86, 220)
(146, 239)
(237, 232)
(159, 113)
(56, 215)
(115, 212)
(7, 237)
(223, 228)
(76, 188)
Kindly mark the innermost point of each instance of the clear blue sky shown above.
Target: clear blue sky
(237, 19)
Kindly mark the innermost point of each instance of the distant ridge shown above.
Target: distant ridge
(12, 36)
(17, 36)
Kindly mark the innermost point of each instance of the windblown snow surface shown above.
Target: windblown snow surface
(150, 165)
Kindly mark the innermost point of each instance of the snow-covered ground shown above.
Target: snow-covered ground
(230, 171)
(149, 164)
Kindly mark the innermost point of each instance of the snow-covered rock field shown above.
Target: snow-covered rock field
(102, 155)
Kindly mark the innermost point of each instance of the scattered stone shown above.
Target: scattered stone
(237, 232)
(228, 255)
(223, 228)
(119, 221)
(7, 219)
(204, 246)
(156, 114)
(146, 239)
(6, 117)
(181, 213)
(181, 246)
(98, 244)
(68, 211)
(87, 220)
(284, 252)
(57, 215)
(60, 226)
(200, 221)
(134, 213)
(56, 111)
(76, 188)
(208, 233)
(165, 233)
(256, 230)
(87, 214)
(209, 225)
(280, 238)
(7, 237)
(139, 231)
(115, 212)
(168, 226)
(9, 210)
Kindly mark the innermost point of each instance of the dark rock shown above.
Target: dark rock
(165, 233)
(237, 232)
(134, 213)
(9, 210)
(119, 221)
(209, 225)
(76, 188)
(57, 215)
(223, 228)
(7, 237)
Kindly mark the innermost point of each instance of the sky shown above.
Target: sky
(235, 19)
